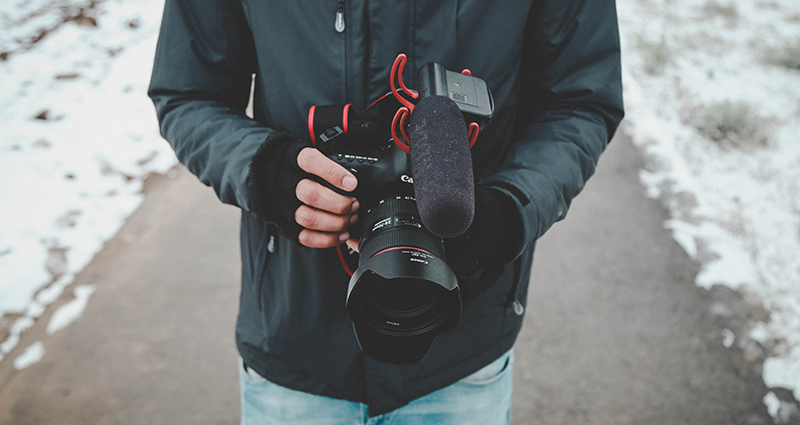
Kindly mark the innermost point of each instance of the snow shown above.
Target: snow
(80, 136)
(715, 109)
(728, 338)
(70, 311)
(782, 411)
(773, 404)
(32, 354)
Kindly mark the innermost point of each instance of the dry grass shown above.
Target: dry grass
(731, 124)
(728, 12)
(788, 57)
(656, 55)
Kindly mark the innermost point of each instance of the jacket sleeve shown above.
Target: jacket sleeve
(200, 87)
(571, 106)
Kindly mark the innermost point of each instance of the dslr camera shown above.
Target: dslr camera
(402, 293)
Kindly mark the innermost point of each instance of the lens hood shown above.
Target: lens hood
(399, 300)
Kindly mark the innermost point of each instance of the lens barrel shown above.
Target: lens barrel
(395, 222)
(403, 293)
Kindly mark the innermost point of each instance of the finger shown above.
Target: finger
(323, 221)
(352, 244)
(320, 197)
(315, 162)
(313, 239)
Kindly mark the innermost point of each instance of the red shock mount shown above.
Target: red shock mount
(408, 99)
(401, 116)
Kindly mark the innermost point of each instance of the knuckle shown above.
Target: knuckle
(306, 238)
(332, 171)
(313, 239)
(335, 224)
(344, 223)
(307, 192)
(341, 209)
(328, 241)
(347, 207)
(305, 158)
(305, 217)
(341, 206)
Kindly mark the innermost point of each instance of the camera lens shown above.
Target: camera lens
(394, 222)
(403, 294)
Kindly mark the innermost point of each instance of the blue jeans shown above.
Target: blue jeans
(481, 398)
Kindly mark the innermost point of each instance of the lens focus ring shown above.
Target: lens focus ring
(395, 222)
(392, 207)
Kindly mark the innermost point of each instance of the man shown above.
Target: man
(553, 68)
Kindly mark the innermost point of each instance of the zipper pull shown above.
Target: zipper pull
(339, 25)
(339, 22)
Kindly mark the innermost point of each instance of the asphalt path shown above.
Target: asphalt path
(616, 332)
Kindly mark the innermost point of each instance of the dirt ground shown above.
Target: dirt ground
(616, 331)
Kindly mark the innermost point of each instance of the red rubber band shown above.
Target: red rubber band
(400, 115)
(311, 125)
(345, 117)
(400, 63)
(342, 260)
(474, 128)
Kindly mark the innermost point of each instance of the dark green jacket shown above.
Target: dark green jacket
(553, 67)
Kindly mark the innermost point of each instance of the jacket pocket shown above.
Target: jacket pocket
(519, 289)
(261, 278)
(491, 372)
(249, 374)
(518, 295)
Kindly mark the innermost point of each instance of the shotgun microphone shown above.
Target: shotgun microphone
(441, 165)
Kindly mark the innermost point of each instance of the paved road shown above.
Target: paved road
(616, 332)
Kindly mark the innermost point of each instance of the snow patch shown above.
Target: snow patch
(728, 338)
(70, 311)
(79, 137)
(714, 107)
(30, 356)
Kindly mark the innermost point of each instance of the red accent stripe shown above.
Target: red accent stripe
(311, 125)
(401, 247)
(346, 117)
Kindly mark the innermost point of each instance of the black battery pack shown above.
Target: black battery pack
(471, 94)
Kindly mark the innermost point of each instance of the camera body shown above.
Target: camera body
(373, 158)
(402, 293)
(368, 150)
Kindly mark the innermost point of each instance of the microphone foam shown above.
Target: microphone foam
(441, 165)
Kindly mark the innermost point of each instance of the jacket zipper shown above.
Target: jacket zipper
(339, 24)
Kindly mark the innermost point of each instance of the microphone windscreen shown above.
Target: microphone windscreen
(441, 165)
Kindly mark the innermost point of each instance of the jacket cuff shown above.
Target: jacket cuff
(500, 225)
(272, 181)
(539, 204)
(494, 239)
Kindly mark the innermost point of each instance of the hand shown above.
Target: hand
(324, 214)
(479, 256)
